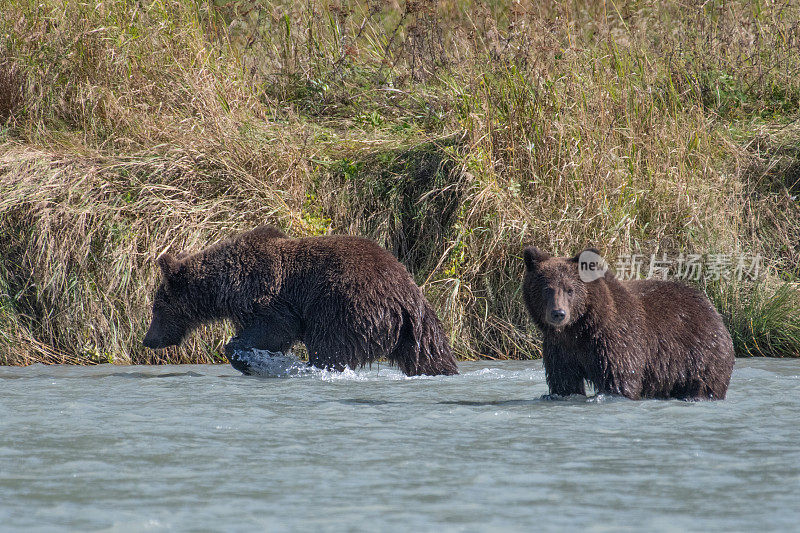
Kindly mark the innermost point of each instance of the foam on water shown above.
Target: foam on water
(264, 363)
(502, 373)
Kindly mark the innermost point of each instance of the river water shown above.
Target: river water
(201, 448)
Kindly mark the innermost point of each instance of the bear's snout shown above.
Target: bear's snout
(150, 341)
(154, 341)
(557, 316)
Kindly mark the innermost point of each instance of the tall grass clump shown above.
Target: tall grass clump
(452, 132)
(763, 321)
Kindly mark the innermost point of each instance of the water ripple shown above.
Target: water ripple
(201, 447)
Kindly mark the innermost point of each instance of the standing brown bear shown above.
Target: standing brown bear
(639, 339)
(349, 300)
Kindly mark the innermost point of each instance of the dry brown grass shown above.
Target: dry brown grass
(453, 132)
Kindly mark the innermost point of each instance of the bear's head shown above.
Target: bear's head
(554, 290)
(172, 320)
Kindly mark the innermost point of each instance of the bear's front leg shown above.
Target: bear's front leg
(564, 375)
(271, 334)
(233, 351)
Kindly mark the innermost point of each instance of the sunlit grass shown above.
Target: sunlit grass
(763, 321)
(452, 132)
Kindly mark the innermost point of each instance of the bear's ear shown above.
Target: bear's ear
(169, 265)
(592, 249)
(269, 232)
(533, 256)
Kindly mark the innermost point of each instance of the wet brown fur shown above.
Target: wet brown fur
(349, 300)
(639, 339)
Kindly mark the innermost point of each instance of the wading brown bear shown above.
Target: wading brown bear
(349, 300)
(639, 339)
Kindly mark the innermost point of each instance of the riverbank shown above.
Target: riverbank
(453, 133)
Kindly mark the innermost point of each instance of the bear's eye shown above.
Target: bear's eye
(569, 292)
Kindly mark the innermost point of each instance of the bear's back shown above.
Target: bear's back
(329, 263)
(683, 325)
(668, 303)
(342, 261)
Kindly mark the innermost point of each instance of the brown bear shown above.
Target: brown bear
(349, 300)
(639, 339)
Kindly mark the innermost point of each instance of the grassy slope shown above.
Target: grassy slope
(452, 132)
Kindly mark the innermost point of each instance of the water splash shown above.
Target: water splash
(264, 363)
